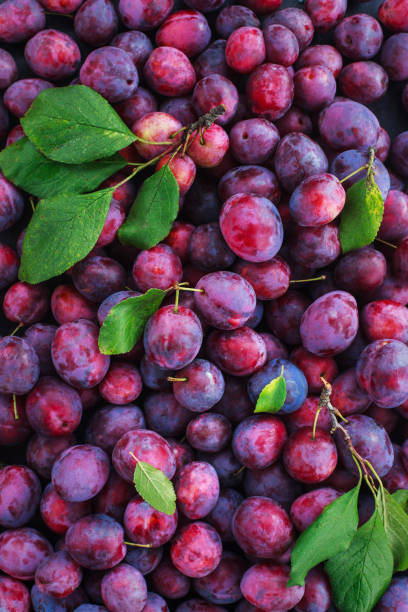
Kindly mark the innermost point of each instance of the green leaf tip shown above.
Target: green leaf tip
(126, 321)
(362, 214)
(154, 487)
(273, 395)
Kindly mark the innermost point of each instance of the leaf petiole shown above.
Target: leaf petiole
(349, 176)
(150, 142)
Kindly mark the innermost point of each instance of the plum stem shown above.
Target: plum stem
(176, 301)
(15, 330)
(155, 142)
(138, 545)
(59, 14)
(192, 289)
(389, 244)
(200, 126)
(309, 280)
(16, 417)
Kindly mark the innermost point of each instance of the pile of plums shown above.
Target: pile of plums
(257, 236)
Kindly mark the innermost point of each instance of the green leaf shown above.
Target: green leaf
(362, 215)
(401, 497)
(153, 212)
(273, 395)
(330, 534)
(75, 124)
(62, 231)
(155, 488)
(27, 168)
(126, 321)
(361, 574)
(395, 521)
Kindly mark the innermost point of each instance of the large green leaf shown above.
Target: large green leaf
(155, 488)
(75, 124)
(401, 497)
(361, 574)
(328, 535)
(126, 321)
(153, 212)
(62, 231)
(27, 168)
(273, 395)
(395, 521)
(362, 215)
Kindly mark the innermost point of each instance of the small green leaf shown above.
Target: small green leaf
(74, 125)
(395, 521)
(62, 231)
(401, 497)
(153, 212)
(27, 168)
(155, 488)
(361, 574)
(126, 321)
(329, 534)
(362, 215)
(273, 395)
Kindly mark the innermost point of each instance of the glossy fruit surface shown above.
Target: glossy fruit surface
(251, 121)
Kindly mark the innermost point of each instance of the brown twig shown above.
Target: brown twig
(335, 415)
(370, 165)
(200, 126)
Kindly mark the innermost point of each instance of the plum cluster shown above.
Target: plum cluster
(261, 197)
